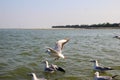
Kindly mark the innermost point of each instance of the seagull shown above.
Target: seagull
(118, 37)
(34, 77)
(57, 51)
(52, 68)
(100, 68)
(97, 77)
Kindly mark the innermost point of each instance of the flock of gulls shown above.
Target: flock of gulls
(56, 52)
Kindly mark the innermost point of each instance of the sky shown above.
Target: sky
(48, 13)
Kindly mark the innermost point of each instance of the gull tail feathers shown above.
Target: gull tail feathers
(61, 69)
(108, 68)
(114, 76)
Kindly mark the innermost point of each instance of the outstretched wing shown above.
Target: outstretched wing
(60, 43)
(55, 67)
(52, 51)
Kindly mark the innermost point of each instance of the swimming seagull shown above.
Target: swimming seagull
(100, 68)
(52, 68)
(57, 51)
(97, 77)
(34, 77)
(118, 37)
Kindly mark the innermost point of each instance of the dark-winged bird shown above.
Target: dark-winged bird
(52, 68)
(99, 68)
(98, 77)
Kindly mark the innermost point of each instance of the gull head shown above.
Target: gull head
(96, 73)
(31, 74)
(45, 62)
(93, 61)
(47, 51)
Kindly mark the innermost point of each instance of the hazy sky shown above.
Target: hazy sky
(47, 13)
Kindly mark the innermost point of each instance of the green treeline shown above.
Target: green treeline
(103, 25)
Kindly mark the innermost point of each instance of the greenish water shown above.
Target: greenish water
(22, 51)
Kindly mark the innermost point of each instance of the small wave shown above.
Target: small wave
(25, 54)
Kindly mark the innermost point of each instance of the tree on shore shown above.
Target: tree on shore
(103, 25)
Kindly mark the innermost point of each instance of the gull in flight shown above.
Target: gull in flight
(100, 68)
(98, 77)
(34, 77)
(57, 51)
(52, 68)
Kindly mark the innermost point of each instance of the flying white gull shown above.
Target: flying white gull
(97, 77)
(57, 51)
(34, 77)
(52, 68)
(100, 68)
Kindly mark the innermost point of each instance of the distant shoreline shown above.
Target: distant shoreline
(92, 26)
(56, 28)
(83, 26)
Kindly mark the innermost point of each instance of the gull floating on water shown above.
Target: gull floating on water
(34, 77)
(57, 51)
(100, 68)
(97, 77)
(118, 37)
(52, 68)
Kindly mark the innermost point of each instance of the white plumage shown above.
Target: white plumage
(118, 37)
(52, 68)
(100, 68)
(34, 77)
(57, 51)
(98, 77)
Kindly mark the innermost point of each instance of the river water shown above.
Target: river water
(22, 52)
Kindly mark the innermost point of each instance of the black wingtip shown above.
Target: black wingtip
(114, 76)
(61, 69)
(111, 69)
